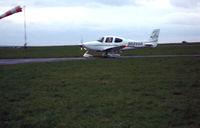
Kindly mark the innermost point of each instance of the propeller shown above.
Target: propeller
(82, 43)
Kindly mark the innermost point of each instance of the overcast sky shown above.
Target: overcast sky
(62, 22)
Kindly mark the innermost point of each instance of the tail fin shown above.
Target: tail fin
(154, 36)
(153, 40)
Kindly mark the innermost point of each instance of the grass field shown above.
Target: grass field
(66, 51)
(102, 93)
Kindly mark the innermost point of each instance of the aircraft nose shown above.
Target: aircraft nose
(84, 44)
(87, 43)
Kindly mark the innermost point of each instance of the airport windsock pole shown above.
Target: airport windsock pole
(13, 11)
(25, 38)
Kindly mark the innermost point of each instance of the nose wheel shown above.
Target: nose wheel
(87, 55)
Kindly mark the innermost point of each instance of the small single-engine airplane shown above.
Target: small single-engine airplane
(116, 44)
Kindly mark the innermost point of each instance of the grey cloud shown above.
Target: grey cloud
(5, 3)
(185, 3)
(81, 2)
(114, 2)
(181, 18)
(69, 3)
(56, 3)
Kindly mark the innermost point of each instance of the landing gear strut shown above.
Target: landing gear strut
(113, 55)
(87, 55)
(105, 54)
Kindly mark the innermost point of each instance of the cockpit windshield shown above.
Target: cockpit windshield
(101, 39)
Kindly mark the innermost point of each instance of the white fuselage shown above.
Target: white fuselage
(113, 43)
(125, 44)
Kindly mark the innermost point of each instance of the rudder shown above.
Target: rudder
(154, 36)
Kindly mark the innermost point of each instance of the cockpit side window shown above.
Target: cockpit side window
(101, 39)
(109, 40)
(118, 40)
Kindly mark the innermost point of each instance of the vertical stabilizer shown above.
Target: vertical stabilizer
(154, 36)
(153, 40)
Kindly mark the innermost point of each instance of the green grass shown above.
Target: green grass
(167, 50)
(40, 52)
(45, 52)
(102, 93)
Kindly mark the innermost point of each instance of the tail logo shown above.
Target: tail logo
(154, 35)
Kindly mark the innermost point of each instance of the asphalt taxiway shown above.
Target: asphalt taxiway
(38, 60)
